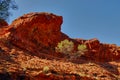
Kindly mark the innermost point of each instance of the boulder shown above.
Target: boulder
(37, 32)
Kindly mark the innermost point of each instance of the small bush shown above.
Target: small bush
(46, 69)
(82, 48)
(65, 47)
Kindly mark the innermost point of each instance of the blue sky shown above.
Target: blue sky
(85, 19)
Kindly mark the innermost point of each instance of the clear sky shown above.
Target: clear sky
(85, 19)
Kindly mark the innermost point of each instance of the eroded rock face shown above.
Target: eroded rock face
(100, 52)
(41, 32)
(3, 23)
(37, 32)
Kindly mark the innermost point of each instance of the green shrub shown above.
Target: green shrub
(65, 47)
(46, 69)
(82, 48)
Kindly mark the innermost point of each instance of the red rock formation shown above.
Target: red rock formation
(41, 32)
(61, 77)
(37, 32)
(3, 23)
(3, 27)
(100, 51)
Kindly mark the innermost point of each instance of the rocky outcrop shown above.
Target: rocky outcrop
(3, 27)
(41, 32)
(37, 32)
(3, 23)
(100, 52)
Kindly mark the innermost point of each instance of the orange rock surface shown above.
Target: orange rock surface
(101, 52)
(39, 31)
(28, 45)
(3, 23)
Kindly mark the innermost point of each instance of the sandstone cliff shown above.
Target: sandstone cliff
(3, 23)
(28, 45)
